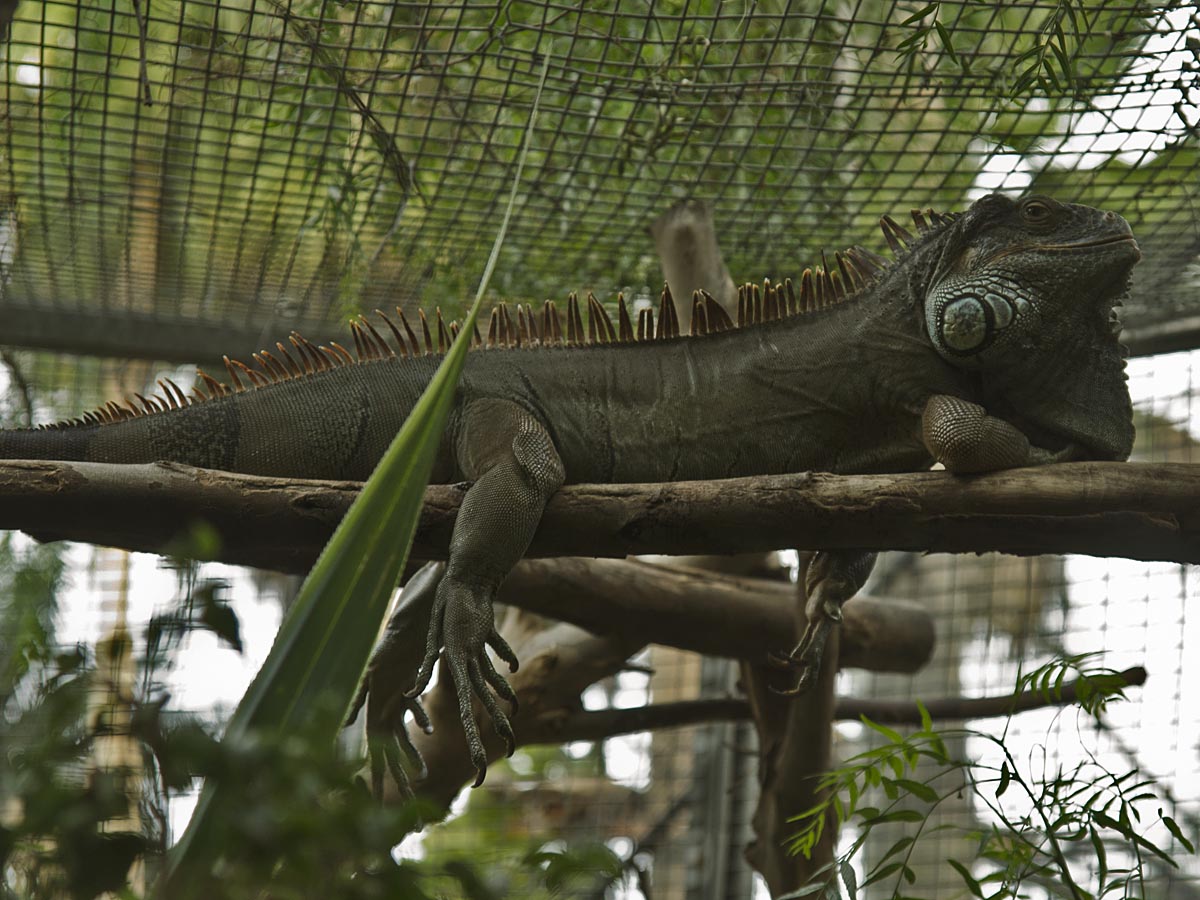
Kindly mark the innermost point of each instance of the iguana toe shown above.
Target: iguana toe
(505, 652)
(433, 646)
(388, 738)
(498, 682)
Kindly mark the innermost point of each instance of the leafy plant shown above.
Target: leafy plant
(1049, 64)
(310, 677)
(1041, 810)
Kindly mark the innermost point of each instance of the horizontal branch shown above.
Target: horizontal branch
(597, 725)
(707, 612)
(1138, 511)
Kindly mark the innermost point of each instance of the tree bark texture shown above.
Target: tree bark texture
(1133, 510)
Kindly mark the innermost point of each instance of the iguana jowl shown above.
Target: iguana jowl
(990, 342)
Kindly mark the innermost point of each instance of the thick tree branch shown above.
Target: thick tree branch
(721, 615)
(1137, 511)
(605, 723)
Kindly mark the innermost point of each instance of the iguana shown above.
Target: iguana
(990, 341)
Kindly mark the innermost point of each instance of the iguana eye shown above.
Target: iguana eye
(1035, 212)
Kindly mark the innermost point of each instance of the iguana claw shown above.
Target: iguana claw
(807, 655)
(464, 625)
(388, 737)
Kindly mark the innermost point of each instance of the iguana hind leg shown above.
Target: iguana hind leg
(832, 578)
(511, 459)
(390, 674)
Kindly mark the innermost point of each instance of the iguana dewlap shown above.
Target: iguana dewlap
(990, 342)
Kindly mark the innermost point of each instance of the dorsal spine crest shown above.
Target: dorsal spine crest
(852, 271)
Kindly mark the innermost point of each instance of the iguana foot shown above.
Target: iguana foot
(464, 625)
(388, 737)
(832, 578)
(394, 665)
(806, 657)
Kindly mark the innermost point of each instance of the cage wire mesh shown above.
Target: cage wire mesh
(190, 178)
(258, 164)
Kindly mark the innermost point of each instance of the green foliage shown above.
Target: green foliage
(29, 581)
(325, 156)
(1040, 809)
(524, 838)
(306, 824)
(1049, 61)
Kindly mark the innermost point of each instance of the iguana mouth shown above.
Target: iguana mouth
(1099, 242)
(1077, 245)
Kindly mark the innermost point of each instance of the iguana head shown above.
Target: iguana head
(1025, 294)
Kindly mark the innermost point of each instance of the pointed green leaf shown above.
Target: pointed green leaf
(919, 14)
(1101, 854)
(1177, 833)
(918, 789)
(947, 46)
(897, 847)
(309, 679)
(882, 873)
(850, 879)
(813, 887)
(926, 718)
(890, 733)
(967, 877)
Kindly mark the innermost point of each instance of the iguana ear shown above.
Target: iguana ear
(965, 314)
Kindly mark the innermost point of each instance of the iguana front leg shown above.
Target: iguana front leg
(509, 456)
(965, 439)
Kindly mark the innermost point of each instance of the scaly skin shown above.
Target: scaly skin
(987, 345)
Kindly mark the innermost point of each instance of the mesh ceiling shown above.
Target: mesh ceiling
(190, 177)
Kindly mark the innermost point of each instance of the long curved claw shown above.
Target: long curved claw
(460, 675)
(472, 676)
(403, 739)
(433, 646)
(388, 736)
(389, 756)
(807, 655)
(469, 629)
(505, 652)
(499, 719)
(499, 684)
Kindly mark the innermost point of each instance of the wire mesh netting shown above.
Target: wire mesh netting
(252, 163)
(190, 178)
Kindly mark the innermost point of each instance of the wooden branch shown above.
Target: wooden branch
(1132, 510)
(795, 743)
(720, 615)
(605, 723)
